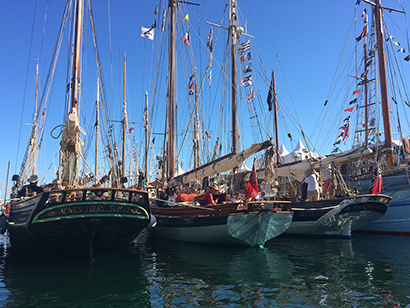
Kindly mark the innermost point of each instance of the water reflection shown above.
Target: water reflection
(112, 279)
(364, 272)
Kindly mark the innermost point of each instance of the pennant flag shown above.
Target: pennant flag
(368, 63)
(148, 33)
(251, 190)
(353, 101)
(186, 17)
(357, 2)
(356, 92)
(325, 103)
(349, 110)
(209, 41)
(131, 130)
(376, 184)
(251, 95)
(337, 142)
(362, 34)
(154, 25)
(244, 46)
(390, 38)
(245, 57)
(35, 58)
(396, 43)
(210, 76)
(156, 10)
(248, 68)
(347, 118)
(364, 12)
(186, 39)
(371, 53)
(346, 134)
(370, 123)
(402, 50)
(407, 58)
(191, 85)
(271, 96)
(335, 150)
(246, 80)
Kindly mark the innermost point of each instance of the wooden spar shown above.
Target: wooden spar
(124, 120)
(146, 136)
(234, 79)
(171, 91)
(275, 117)
(196, 139)
(77, 52)
(97, 127)
(383, 82)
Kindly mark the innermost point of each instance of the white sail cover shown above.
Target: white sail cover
(223, 165)
(297, 170)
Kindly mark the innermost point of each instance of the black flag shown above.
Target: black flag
(271, 96)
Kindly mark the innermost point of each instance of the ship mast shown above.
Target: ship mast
(383, 83)
(234, 79)
(171, 91)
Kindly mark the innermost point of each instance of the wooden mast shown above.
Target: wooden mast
(77, 52)
(234, 80)
(383, 83)
(171, 91)
(146, 136)
(124, 121)
(275, 116)
(97, 127)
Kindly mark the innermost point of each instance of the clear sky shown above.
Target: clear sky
(302, 41)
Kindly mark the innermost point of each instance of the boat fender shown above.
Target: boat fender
(152, 223)
(3, 223)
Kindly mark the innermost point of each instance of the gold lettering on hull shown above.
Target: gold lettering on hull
(91, 209)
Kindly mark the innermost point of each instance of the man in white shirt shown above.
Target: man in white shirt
(313, 186)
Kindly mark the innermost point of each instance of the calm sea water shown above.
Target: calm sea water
(367, 271)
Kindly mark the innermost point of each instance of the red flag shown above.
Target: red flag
(349, 110)
(376, 184)
(356, 92)
(186, 39)
(251, 190)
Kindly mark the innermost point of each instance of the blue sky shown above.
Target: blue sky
(302, 41)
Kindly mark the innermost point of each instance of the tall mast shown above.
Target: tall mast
(383, 82)
(234, 80)
(35, 125)
(275, 117)
(124, 120)
(146, 136)
(97, 127)
(171, 91)
(366, 94)
(77, 51)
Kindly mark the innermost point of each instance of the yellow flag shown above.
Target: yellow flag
(186, 17)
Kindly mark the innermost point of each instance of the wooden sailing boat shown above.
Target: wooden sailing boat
(391, 155)
(334, 216)
(224, 222)
(81, 216)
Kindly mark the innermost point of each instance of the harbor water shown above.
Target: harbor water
(366, 271)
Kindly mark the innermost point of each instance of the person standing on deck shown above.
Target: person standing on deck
(313, 186)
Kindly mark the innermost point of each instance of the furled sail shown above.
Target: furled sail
(223, 164)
